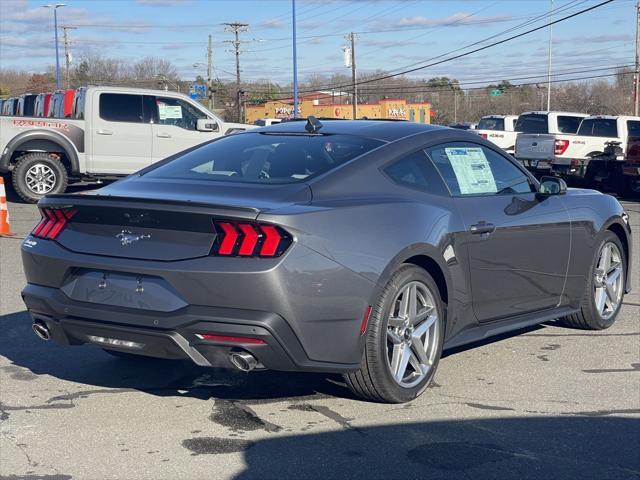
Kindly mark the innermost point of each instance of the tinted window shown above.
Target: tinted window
(260, 123)
(568, 124)
(532, 123)
(633, 127)
(265, 158)
(173, 111)
(117, 107)
(416, 171)
(471, 169)
(598, 127)
(491, 124)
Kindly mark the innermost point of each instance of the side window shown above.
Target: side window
(469, 169)
(416, 171)
(118, 107)
(633, 127)
(568, 124)
(177, 112)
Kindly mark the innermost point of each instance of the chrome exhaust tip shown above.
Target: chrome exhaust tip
(41, 330)
(243, 361)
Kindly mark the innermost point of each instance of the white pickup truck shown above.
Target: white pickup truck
(499, 129)
(111, 132)
(538, 143)
(590, 141)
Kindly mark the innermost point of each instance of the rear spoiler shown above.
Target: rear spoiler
(93, 200)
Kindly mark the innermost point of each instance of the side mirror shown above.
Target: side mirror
(552, 186)
(207, 125)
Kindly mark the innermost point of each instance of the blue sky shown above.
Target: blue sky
(393, 34)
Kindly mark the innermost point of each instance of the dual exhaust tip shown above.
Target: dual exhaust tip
(41, 330)
(243, 361)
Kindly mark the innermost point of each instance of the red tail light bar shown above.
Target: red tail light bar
(53, 222)
(250, 240)
(560, 146)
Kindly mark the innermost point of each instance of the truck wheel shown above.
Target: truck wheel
(37, 174)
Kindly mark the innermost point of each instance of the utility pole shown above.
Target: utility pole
(549, 61)
(295, 60)
(636, 76)
(236, 28)
(67, 52)
(354, 101)
(209, 72)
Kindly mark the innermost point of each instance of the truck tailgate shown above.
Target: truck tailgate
(535, 146)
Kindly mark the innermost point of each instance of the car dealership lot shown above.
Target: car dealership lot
(548, 402)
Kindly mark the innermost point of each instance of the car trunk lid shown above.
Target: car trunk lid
(160, 221)
(536, 146)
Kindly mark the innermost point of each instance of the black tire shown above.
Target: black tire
(29, 161)
(374, 380)
(588, 317)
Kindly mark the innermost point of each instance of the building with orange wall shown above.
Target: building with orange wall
(389, 108)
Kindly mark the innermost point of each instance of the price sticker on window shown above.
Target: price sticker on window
(472, 170)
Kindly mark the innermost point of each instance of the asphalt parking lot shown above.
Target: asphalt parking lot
(546, 402)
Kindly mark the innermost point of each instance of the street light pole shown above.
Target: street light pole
(55, 27)
(549, 62)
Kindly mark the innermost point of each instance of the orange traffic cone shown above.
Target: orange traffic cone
(5, 228)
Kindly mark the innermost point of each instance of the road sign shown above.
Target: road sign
(197, 90)
(495, 93)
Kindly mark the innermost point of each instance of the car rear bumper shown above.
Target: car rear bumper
(74, 323)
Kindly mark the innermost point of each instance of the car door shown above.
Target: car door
(175, 127)
(517, 244)
(120, 134)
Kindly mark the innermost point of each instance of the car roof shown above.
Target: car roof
(387, 130)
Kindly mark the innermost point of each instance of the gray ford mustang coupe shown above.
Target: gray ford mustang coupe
(360, 247)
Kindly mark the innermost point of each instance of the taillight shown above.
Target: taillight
(236, 239)
(53, 222)
(484, 135)
(560, 146)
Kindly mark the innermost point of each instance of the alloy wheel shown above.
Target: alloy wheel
(40, 178)
(608, 280)
(412, 334)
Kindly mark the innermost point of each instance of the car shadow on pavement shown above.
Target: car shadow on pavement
(563, 447)
(89, 365)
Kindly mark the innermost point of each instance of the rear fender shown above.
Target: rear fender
(40, 140)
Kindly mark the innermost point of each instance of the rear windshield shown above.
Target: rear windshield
(568, 124)
(532, 123)
(598, 127)
(633, 126)
(491, 124)
(265, 158)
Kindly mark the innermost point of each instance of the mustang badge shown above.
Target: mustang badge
(127, 238)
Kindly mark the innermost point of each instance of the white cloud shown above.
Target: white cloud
(454, 20)
(162, 3)
(272, 24)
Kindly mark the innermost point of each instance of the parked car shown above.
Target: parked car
(265, 122)
(463, 126)
(26, 104)
(499, 129)
(41, 105)
(631, 166)
(1, 103)
(590, 142)
(617, 169)
(112, 132)
(357, 247)
(536, 146)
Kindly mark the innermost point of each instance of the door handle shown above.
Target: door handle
(104, 132)
(482, 227)
(163, 135)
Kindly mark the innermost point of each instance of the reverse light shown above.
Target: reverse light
(250, 240)
(53, 222)
(211, 337)
(560, 146)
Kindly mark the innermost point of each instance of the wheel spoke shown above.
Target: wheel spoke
(393, 337)
(601, 297)
(413, 301)
(404, 303)
(424, 313)
(402, 364)
(396, 356)
(613, 276)
(422, 328)
(418, 349)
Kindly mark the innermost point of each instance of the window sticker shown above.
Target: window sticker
(472, 170)
(169, 111)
